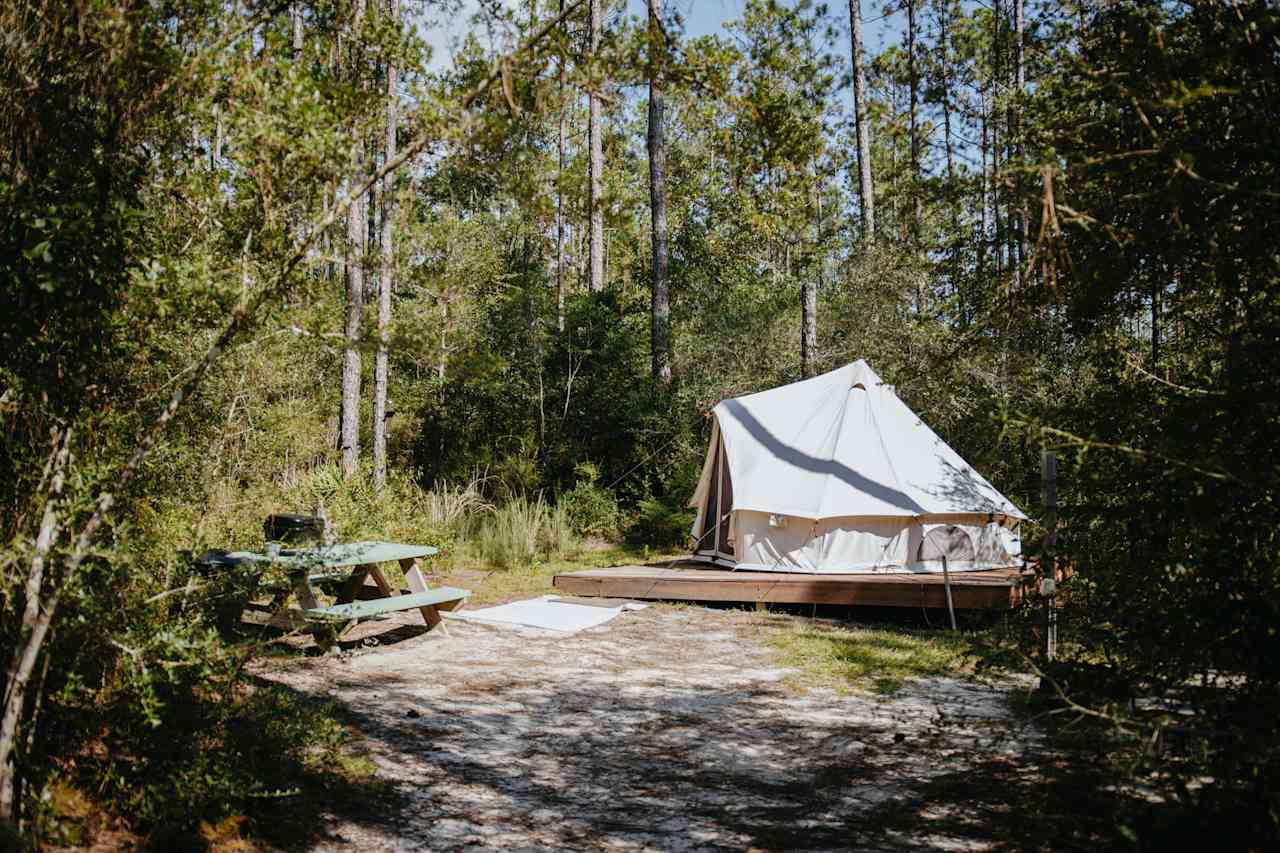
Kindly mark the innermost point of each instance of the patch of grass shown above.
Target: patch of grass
(875, 659)
(494, 586)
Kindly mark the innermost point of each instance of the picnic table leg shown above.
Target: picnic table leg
(413, 565)
(384, 586)
(303, 592)
(352, 585)
(282, 615)
(417, 583)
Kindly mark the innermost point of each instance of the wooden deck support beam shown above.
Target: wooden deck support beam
(999, 589)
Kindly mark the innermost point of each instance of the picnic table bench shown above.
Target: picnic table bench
(344, 568)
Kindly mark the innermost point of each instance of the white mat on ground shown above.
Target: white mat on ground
(548, 612)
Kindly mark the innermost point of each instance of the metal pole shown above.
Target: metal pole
(1048, 567)
(946, 583)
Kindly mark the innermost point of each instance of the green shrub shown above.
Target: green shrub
(663, 518)
(661, 522)
(592, 509)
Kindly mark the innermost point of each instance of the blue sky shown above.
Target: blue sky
(704, 17)
(701, 17)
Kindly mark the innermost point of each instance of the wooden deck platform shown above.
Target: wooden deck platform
(987, 590)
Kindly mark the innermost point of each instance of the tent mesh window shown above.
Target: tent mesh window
(947, 541)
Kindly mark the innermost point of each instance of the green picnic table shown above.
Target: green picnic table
(345, 567)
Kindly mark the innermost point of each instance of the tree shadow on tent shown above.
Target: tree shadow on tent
(830, 467)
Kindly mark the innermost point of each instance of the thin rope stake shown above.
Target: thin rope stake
(946, 583)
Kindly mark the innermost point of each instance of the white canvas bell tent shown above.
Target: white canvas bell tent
(835, 474)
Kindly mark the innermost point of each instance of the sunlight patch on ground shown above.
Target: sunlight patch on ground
(877, 660)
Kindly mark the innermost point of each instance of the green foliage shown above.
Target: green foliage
(206, 759)
(664, 519)
(662, 522)
(590, 507)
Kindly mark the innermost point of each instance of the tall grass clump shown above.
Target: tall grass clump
(559, 537)
(520, 532)
(507, 537)
(452, 506)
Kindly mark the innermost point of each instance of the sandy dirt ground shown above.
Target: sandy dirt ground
(670, 728)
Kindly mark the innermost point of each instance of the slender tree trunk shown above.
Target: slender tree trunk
(354, 271)
(1010, 156)
(896, 218)
(326, 236)
(819, 239)
(295, 19)
(984, 226)
(996, 140)
(913, 100)
(217, 137)
(914, 184)
(862, 120)
(808, 319)
(385, 281)
(808, 326)
(1155, 326)
(944, 37)
(36, 616)
(951, 197)
(560, 149)
(444, 340)
(595, 281)
(661, 309)
(1020, 86)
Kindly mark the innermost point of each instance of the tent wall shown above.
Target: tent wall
(851, 545)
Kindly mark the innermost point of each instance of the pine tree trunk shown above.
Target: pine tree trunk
(661, 309)
(866, 189)
(37, 616)
(1017, 105)
(1155, 326)
(808, 326)
(217, 137)
(944, 37)
(996, 196)
(295, 19)
(895, 217)
(385, 280)
(560, 149)
(913, 101)
(914, 184)
(354, 272)
(819, 237)
(595, 281)
(984, 225)
(1010, 156)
